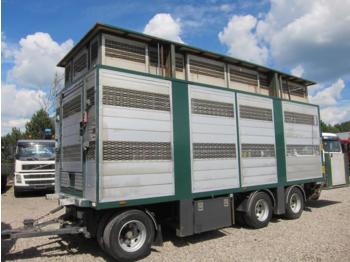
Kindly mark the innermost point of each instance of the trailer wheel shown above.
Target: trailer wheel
(295, 204)
(259, 211)
(129, 236)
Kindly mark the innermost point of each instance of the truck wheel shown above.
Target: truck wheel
(129, 236)
(295, 204)
(259, 211)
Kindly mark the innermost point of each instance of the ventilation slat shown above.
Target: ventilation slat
(256, 113)
(71, 153)
(301, 150)
(257, 150)
(299, 118)
(72, 107)
(80, 64)
(206, 107)
(213, 150)
(244, 77)
(125, 150)
(116, 96)
(179, 63)
(125, 51)
(207, 69)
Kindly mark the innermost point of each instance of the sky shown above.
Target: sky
(310, 39)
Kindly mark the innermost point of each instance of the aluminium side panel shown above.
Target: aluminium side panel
(302, 141)
(71, 176)
(136, 137)
(213, 133)
(89, 138)
(257, 140)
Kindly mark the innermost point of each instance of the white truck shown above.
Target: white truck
(34, 166)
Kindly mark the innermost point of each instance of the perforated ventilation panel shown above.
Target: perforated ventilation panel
(126, 150)
(257, 150)
(72, 153)
(206, 107)
(132, 98)
(302, 150)
(124, 51)
(298, 118)
(255, 113)
(264, 81)
(90, 154)
(72, 107)
(213, 150)
(207, 69)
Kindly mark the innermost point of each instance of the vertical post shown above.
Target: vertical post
(172, 61)
(280, 143)
(181, 134)
(275, 85)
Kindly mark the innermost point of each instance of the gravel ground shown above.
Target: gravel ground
(321, 234)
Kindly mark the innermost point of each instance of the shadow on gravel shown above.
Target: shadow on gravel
(7, 245)
(170, 235)
(320, 203)
(39, 193)
(56, 247)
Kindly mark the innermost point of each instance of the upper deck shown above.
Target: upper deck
(116, 47)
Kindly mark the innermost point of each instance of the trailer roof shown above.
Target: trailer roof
(99, 27)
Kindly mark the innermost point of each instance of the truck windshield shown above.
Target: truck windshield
(331, 146)
(35, 151)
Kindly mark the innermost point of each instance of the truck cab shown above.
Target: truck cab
(334, 159)
(34, 165)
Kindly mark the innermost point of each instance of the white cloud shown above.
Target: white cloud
(335, 114)
(18, 105)
(241, 40)
(313, 34)
(334, 108)
(165, 26)
(298, 71)
(329, 95)
(35, 60)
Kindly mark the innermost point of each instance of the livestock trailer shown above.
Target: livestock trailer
(154, 133)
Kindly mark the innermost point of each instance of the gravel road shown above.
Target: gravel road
(321, 234)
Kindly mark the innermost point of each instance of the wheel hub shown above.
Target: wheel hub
(295, 203)
(132, 236)
(261, 210)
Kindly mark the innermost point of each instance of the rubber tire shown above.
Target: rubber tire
(250, 217)
(101, 228)
(110, 235)
(289, 213)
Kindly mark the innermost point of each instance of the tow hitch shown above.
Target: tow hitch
(36, 228)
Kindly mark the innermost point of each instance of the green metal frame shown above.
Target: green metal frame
(181, 137)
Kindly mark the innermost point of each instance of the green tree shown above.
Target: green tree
(8, 144)
(343, 127)
(37, 124)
